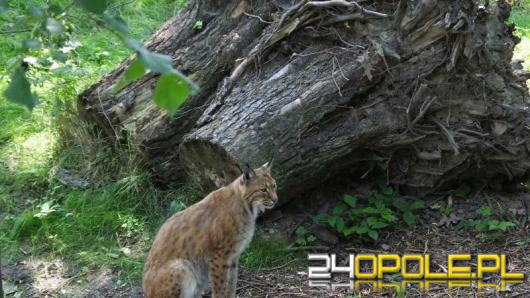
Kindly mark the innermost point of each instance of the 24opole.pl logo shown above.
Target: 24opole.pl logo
(463, 270)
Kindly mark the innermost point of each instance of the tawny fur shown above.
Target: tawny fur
(202, 244)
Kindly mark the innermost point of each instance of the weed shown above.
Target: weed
(485, 222)
(381, 212)
(303, 237)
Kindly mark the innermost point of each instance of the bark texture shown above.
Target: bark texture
(425, 87)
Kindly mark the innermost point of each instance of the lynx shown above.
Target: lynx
(202, 244)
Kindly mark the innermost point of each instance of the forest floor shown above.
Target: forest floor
(77, 215)
(435, 234)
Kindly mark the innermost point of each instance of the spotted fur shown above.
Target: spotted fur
(202, 244)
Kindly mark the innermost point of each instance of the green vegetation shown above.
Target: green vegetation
(485, 222)
(380, 213)
(48, 35)
(303, 236)
(111, 222)
(521, 17)
(264, 253)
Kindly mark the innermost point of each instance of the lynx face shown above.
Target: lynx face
(259, 188)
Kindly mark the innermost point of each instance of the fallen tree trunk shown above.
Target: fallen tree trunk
(424, 86)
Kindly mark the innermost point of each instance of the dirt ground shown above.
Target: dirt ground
(436, 235)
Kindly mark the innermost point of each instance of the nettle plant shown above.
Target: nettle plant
(381, 212)
(485, 222)
(49, 27)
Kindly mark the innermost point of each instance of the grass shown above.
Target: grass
(521, 17)
(266, 253)
(112, 222)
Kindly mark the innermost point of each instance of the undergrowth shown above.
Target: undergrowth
(109, 224)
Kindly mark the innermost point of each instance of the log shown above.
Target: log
(425, 87)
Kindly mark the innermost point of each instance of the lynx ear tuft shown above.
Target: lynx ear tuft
(268, 165)
(249, 173)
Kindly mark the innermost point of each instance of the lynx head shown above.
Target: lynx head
(259, 188)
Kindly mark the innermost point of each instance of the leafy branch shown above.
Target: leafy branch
(47, 25)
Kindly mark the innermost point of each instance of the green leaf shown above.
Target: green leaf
(400, 205)
(363, 229)
(371, 220)
(481, 225)
(155, 62)
(388, 190)
(464, 224)
(301, 241)
(135, 71)
(171, 92)
(34, 11)
(388, 215)
(463, 190)
(116, 23)
(3, 6)
(373, 234)
(19, 90)
(339, 209)
(409, 218)
(484, 211)
(53, 26)
(176, 206)
(379, 225)
(59, 56)
(370, 210)
(31, 44)
(311, 238)
(55, 9)
(321, 217)
(348, 231)
(95, 6)
(332, 221)
(418, 204)
(134, 44)
(300, 231)
(505, 225)
(493, 224)
(340, 224)
(198, 25)
(350, 200)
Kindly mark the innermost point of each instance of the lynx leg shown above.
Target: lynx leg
(232, 276)
(219, 271)
(175, 279)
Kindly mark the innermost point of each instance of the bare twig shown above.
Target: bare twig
(257, 17)
(448, 134)
(423, 109)
(330, 3)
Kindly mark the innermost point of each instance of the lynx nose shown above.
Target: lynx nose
(275, 199)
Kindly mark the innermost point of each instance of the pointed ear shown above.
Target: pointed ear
(248, 173)
(268, 165)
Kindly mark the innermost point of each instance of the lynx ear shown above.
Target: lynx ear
(248, 173)
(268, 165)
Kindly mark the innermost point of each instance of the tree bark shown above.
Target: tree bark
(423, 87)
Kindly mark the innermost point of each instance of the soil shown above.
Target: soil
(435, 235)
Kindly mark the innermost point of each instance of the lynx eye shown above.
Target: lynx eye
(263, 189)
